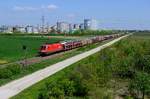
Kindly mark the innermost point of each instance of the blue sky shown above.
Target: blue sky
(111, 14)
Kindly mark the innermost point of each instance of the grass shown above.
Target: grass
(144, 36)
(11, 47)
(33, 91)
(32, 68)
(35, 88)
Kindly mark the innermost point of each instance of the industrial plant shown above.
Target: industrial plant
(59, 27)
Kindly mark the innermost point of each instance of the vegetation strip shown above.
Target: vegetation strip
(17, 71)
(114, 73)
(19, 85)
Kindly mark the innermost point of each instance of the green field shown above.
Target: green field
(120, 71)
(15, 71)
(11, 47)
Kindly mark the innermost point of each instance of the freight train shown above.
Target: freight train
(72, 44)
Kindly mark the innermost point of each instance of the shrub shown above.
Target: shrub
(121, 61)
(9, 71)
(67, 86)
(140, 84)
(51, 91)
(5, 73)
(15, 69)
(143, 63)
(56, 93)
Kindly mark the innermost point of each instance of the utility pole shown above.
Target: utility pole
(47, 27)
(43, 23)
(24, 47)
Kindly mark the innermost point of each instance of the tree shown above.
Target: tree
(141, 83)
(143, 63)
(68, 86)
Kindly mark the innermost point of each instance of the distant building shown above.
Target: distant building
(62, 27)
(6, 29)
(29, 29)
(54, 27)
(18, 29)
(32, 29)
(94, 24)
(90, 24)
(81, 26)
(76, 26)
(21, 29)
(87, 24)
(71, 27)
(35, 30)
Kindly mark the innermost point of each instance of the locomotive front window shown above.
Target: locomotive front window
(43, 47)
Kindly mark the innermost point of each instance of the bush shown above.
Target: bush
(67, 86)
(129, 97)
(10, 71)
(143, 63)
(140, 84)
(15, 69)
(5, 73)
(120, 62)
(56, 92)
(81, 90)
(51, 91)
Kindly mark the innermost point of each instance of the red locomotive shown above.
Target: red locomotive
(51, 48)
(68, 45)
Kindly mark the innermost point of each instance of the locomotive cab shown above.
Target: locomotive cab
(43, 50)
(43, 47)
(50, 48)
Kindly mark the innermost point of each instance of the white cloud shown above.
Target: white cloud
(19, 8)
(52, 7)
(29, 8)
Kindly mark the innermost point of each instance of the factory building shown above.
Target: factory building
(21, 29)
(76, 26)
(81, 26)
(71, 27)
(29, 29)
(62, 27)
(6, 29)
(90, 24)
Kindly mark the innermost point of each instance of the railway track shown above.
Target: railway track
(16, 86)
(38, 59)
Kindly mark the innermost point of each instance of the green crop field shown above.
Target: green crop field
(15, 71)
(11, 47)
(120, 71)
